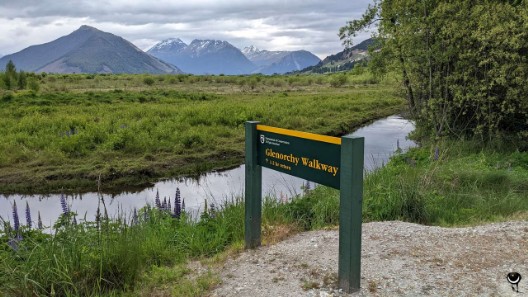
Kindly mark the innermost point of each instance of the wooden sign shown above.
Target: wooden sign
(309, 156)
(331, 161)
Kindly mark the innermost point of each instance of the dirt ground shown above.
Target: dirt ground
(398, 259)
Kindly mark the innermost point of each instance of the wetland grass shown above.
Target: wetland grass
(79, 127)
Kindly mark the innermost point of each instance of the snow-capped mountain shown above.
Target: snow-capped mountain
(292, 61)
(203, 56)
(270, 62)
(220, 57)
(263, 57)
(204, 47)
(250, 50)
(168, 45)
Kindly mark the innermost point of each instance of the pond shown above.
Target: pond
(382, 139)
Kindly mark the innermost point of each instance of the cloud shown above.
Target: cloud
(272, 24)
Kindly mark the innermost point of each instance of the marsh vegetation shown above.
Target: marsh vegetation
(134, 129)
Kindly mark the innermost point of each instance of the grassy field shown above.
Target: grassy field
(458, 184)
(70, 132)
(129, 130)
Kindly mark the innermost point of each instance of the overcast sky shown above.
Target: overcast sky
(267, 24)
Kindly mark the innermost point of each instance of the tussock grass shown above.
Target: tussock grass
(467, 185)
(131, 133)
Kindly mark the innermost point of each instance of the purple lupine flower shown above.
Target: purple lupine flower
(436, 153)
(169, 206)
(157, 200)
(28, 216)
(16, 221)
(39, 224)
(64, 205)
(183, 205)
(177, 204)
(164, 205)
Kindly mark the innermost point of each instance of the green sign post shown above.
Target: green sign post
(331, 161)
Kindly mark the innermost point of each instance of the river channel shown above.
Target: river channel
(382, 139)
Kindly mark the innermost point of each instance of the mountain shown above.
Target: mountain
(344, 60)
(293, 61)
(167, 48)
(220, 57)
(168, 45)
(203, 56)
(280, 62)
(87, 50)
(357, 52)
(263, 57)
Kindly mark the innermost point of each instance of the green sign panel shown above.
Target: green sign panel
(331, 161)
(309, 156)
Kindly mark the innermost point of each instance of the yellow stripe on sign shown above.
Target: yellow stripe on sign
(305, 135)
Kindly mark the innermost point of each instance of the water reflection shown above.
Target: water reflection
(382, 139)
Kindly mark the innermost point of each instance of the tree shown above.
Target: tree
(12, 80)
(10, 75)
(10, 68)
(463, 64)
(22, 80)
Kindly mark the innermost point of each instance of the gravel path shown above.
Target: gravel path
(398, 259)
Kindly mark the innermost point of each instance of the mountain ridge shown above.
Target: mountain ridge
(343, 60)
(203, 56)
(211, 56)
(87, 50)
(291, 61)
(263, 57)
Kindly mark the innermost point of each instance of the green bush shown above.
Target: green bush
(8, 96)
(338, 80)
(149, 81)
(33, 84)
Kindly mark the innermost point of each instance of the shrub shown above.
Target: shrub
(8, 96)
(338, 80)
(149, 81)
(33, 84)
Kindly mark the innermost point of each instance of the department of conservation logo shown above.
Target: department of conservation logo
(262, 139)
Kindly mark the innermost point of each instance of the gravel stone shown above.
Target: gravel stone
(398, 259)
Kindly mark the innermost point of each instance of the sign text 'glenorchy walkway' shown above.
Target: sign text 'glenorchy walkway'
(310, 156)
